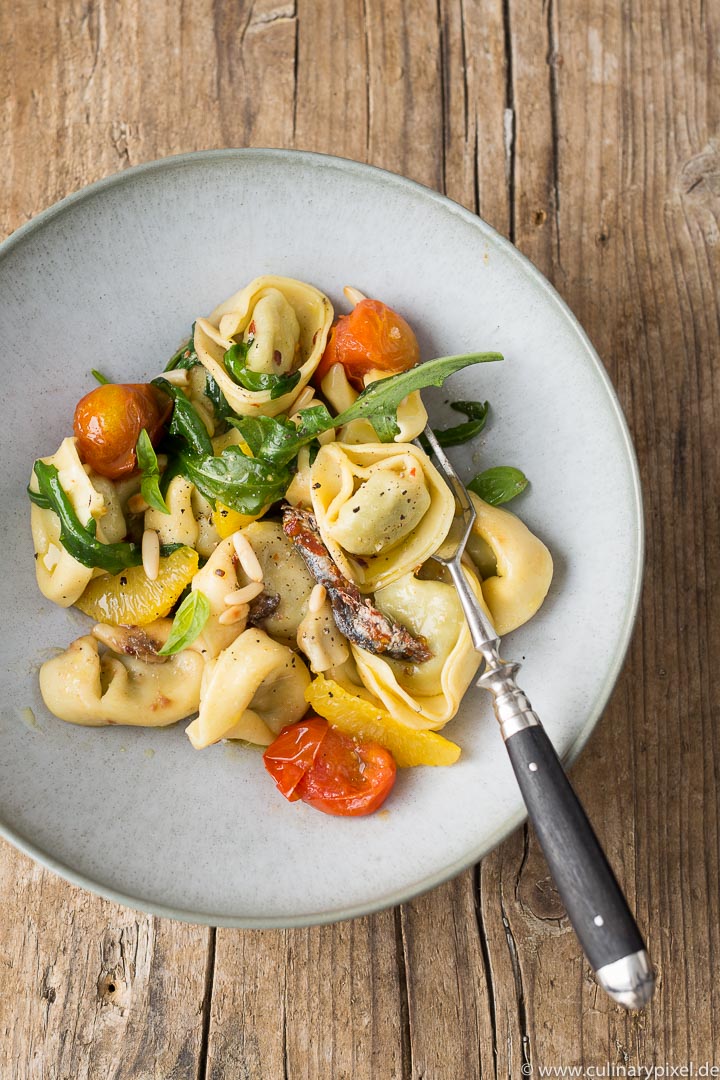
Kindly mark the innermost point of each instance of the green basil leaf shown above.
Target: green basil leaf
(80, 540)
(150, 482)
(219, 403)
(185, 357)
(167, 549)
(243, 483)
(499, 485)
(185, 422)
(236, 367)
(379, 402)
(236, 356)
(99, 376)
(273, 438)
(188, 624)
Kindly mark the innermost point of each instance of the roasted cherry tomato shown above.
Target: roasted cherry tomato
(371, 336)
(294, 752)
(334, 773)
(109, 420)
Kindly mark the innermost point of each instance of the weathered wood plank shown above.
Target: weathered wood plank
(589, 134)
(636, 260)
(90, 988)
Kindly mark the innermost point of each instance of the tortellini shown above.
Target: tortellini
(62, 578)
(215, 580)
(250, 691)
(382, 509)
(411, 414)
(84, 687)
(284, 323)
(320, 639)
(285, 576)
(190, 520)
(423, 695)
(524, 566)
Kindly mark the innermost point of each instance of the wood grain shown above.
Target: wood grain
(588, 133)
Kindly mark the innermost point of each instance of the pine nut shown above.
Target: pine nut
(244, 595)
(317, 599)
(248, 558)
(302, 400)
(151, 554)
(353, 295)
(137, 505)
(233, 615)
(179, 377)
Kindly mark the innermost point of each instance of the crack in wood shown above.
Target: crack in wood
(284, 1031)
(406, 1064)
(526, 1067)
(296, 66)
(206, 1008)
(485, 954)
(523, 863)
(510, 164)
(552, 60)
(368, 96)
(442, 77)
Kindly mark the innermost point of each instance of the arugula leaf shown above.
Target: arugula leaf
(99, 376)
(476, 412)
(150, 482)
(243, 483)
(379, 402)
(188, 624)
(185, 421)
(499, 485)
(185, 357)
(79, 540)
(236, 367)
(248, 483)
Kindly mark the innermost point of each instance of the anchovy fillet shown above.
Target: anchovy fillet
(354, 613)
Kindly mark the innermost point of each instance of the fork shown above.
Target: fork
(587, 886)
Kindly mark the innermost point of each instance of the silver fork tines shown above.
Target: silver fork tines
(452, 549)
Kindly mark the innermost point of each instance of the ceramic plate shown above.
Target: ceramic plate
(112, 278)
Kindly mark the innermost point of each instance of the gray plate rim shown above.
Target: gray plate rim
(391, 899)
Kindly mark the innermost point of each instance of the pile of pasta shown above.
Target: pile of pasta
(381, 510)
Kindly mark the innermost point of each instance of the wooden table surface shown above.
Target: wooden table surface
(587, 132)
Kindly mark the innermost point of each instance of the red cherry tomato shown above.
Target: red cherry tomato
(328, 770)
(109, 420)
(293, 753)
(371, 336)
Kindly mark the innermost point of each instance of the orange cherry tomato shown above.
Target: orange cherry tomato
(109, 420)
(330, 771)
(371, 336)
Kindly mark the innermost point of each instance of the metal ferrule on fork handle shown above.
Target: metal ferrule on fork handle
(513, 710)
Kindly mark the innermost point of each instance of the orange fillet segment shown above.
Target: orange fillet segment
(355, 716)
(131, 599)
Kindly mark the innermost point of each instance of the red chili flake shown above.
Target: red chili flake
(251, 327)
